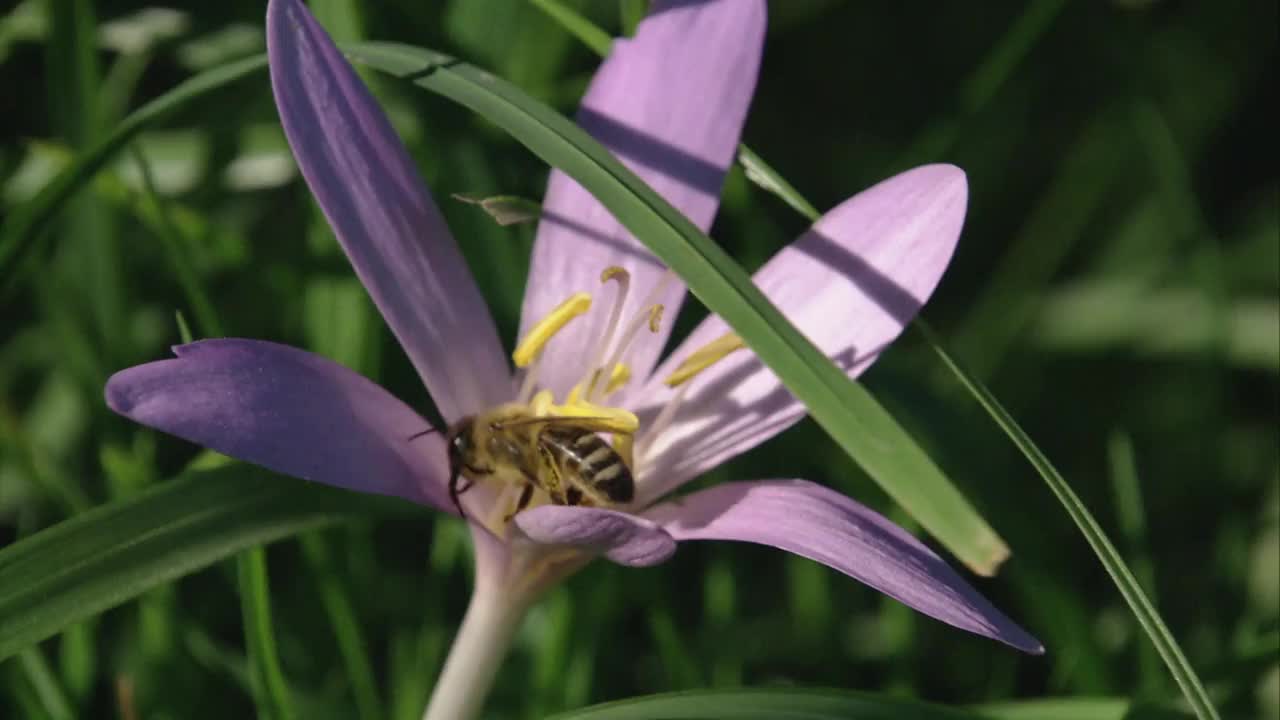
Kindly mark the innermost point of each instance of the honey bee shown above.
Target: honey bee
(562, 456)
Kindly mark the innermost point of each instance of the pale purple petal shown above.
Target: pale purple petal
(670, 103)
(290, 411)
(380, 210)
(820, 524)
(621, 537)
(850, 285)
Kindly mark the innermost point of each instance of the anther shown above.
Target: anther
(655, 317)
(704, 357)
(619, 377)
(623, 278)
(613, 272)
(536, 339)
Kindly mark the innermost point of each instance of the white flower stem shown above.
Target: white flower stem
(478, 650)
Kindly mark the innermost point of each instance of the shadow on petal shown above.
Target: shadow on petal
(623, 538)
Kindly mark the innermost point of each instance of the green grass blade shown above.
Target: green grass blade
(270, 689)
(858, 423)
(757, 170)
(171, 235)
(114, 553)
(24, 228)
(1131, 516)
(630, 13)
(1076, 708)
(977, 92)
(1115, 566)
(766, 704)
(48, 692)
(763, 175)
(587, 32)
(345, 625)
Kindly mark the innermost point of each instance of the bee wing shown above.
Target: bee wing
(593, 424)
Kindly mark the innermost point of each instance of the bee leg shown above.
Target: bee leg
(456, 488)
(472, 472)
(526, 494)
(573, 496)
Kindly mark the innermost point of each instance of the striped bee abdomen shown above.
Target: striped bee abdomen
(594, 473)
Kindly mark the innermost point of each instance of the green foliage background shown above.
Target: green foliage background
(1116, 287)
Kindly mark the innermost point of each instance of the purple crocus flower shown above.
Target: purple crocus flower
(670, 103)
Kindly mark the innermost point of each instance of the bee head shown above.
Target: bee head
(459, 441)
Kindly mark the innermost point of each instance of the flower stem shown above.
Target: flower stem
(491, 621)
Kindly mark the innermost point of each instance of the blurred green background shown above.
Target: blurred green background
(1116, 286)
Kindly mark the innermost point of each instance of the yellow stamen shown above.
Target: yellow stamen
(619, 377)
(614, 272)
(536, 339)
(541, 403)
(574, 396)
(704, 357)
(655, 318)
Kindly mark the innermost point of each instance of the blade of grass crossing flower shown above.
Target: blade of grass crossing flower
(24, 229)
(757, 170)
(858, 423)
(770, 704)
(982, 84)
(270, 689)
(990, 75)
(587, 32)
(1115, 566)
(115, 552)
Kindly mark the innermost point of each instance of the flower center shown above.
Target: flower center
(606, 371)
(603, 374)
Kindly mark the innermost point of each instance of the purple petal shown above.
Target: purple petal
(820, 524)
(380, 210)
(850, 284)
(290, 411)
(670, 103)
(621, 537)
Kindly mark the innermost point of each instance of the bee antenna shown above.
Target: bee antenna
(421, 433)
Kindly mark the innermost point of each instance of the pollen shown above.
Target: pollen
(608, 419)
(603, 418)
(536, 339)
(704, 357)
